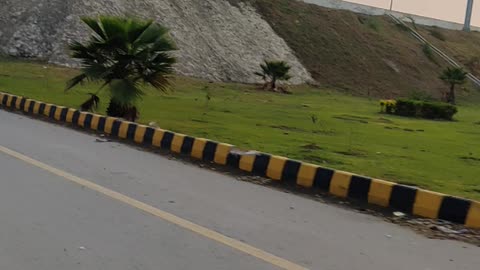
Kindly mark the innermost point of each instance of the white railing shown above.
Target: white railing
(443, 55)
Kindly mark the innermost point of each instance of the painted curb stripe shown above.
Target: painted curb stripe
(323, 178)
(88, 121)
(115, 128)
(101, 123)
(4, 100)
(41, 108)
(76, 115)
(454, 209)
(359, 188)
(260, 164)
(343, 184)
(306, 175)
(473, 219)
(51, 113)
(157, 138)
(233, 160)
(187, 145)
(290, 172)
(427, 203)
(340, 184)
(22, 104)
(209, 151)
(31, 106)
(148, 137)
(13, 101)
(198, 148)
(167, 140)
(380, 192)
(63, 114)
(403, 198)
(132, 129)
(221, 154)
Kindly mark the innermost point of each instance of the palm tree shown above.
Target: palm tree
(454, 77)
(273, 71)
(124, 54)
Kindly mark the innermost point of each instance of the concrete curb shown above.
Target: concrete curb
(407, 199)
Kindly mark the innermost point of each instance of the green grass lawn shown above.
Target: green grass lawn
(349, 134)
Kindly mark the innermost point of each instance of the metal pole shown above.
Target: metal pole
(391, 5)
(468, 16)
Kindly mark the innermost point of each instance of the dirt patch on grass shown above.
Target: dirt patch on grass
(352, 153)
(287, 128)
(351, 118)
(470, 158)
(384, 120)
(311, 147)
(404, 129)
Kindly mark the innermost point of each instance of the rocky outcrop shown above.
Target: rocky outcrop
(216, 40)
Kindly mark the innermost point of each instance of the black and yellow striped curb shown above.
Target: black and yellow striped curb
(408, 199)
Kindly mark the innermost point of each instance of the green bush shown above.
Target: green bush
(407, 107)
(425, 109)
(428, 51)
(437, 110)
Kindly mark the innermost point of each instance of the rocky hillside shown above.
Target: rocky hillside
(217, 40)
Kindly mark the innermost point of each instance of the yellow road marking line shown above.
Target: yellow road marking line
(183, 223)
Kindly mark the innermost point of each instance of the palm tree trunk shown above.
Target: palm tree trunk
(274, 84)
(451, 96)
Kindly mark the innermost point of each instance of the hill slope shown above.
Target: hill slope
(217, 41)
(366, 55)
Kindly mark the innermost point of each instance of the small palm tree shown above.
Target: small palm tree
(454, 77)
(273, 71)
(124, 54)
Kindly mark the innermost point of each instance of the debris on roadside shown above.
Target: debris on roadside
(439, 229)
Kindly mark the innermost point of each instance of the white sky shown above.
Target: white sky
(450, 10)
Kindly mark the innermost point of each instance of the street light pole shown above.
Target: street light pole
(468, 16)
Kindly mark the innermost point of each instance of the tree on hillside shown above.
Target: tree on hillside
(274, 71)
(454, 77)
(124, 54)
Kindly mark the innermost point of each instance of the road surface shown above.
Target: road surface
(68, 201)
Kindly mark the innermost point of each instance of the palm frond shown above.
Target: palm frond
(124, 91)
(275, 69)
(454, 75)
(95, 26)
(136, 28)
(123, 53)
(75, 81)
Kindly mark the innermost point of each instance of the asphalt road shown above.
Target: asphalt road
(70, 202)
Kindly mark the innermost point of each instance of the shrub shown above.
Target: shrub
(425, 109)
(387, 105)
(407, 107)
(438, 110)
(428, 51)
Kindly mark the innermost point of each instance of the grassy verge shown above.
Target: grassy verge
(348, 133)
